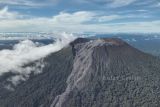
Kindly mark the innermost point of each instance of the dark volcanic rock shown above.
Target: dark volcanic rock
(91, 73)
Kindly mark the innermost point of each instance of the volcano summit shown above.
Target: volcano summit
(104, 72)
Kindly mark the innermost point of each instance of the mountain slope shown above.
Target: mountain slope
(40, 90)
(109, 72)
(91, 73)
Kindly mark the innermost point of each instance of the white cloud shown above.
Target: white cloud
(121, 3)
(61, 22)
(5, 14)
(30, 3)
(75, 18)
(26, 52)
(109, 18)
(23, 73)
(81, 21)
(109, 3)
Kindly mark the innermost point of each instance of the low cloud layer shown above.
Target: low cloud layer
(26, 52)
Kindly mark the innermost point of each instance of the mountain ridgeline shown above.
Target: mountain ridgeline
(104, 72)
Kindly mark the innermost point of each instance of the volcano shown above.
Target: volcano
(105, 72)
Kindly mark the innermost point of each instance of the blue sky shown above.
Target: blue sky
(80, 15)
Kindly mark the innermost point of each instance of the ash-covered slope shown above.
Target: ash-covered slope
(110, 73)
(91, 73)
